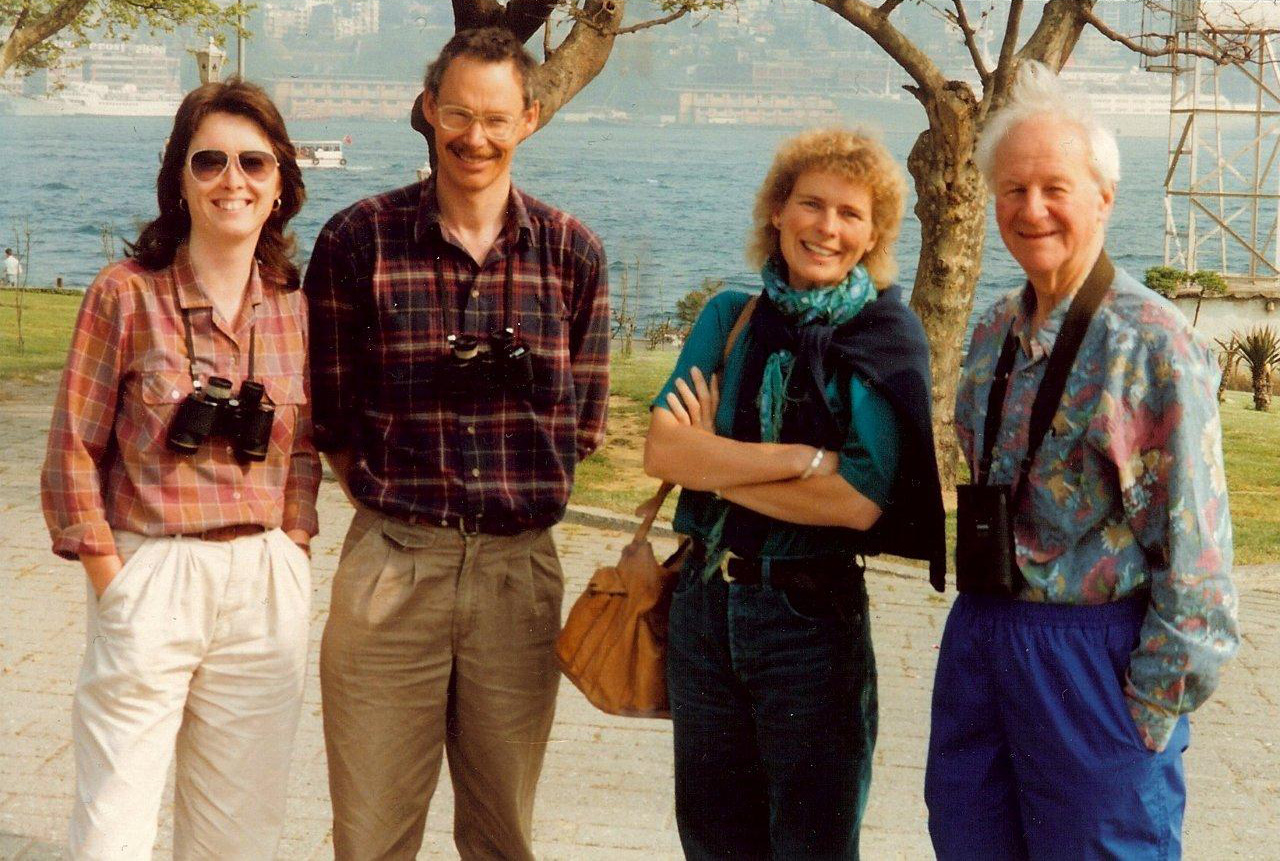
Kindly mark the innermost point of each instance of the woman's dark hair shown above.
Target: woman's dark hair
(160, 239)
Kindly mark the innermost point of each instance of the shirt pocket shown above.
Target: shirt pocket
(288, 395)
(545, 326)
(159, 394)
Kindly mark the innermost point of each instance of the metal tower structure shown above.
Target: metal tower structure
(1222, 186)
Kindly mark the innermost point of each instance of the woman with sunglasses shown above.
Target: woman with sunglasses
(180, 473)
(821, 451)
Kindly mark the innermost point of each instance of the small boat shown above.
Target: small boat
(320, 154)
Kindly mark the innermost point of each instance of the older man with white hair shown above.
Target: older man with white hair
(1094, 552)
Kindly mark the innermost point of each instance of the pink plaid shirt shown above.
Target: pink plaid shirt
(107, 465)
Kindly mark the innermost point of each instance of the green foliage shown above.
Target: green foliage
(689, 306)
(37, 32)
(1169, 281)
(1259, 349)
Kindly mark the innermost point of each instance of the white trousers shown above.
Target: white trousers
(198, 646)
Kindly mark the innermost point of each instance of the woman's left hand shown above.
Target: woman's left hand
(696, 406)
(300, 538)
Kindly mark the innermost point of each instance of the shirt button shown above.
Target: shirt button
(444, 522)
(475, 473)
(175, 394)
(231, 450)
(475, 294)
(471, 429)
(235, 495)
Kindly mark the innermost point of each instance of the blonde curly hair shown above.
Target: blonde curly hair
(857, 156)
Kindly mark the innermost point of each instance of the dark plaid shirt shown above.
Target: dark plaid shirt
(378, 337)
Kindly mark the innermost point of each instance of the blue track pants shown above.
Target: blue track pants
(1032, 752)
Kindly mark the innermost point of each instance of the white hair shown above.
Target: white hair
(1037, 92)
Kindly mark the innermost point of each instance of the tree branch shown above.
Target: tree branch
(1055, 36)
(962, 21)
(526, 17)
(655, 22)
(23, 39)
(580, 57)
(1219, 57)
(583, 17)
(870, 20)
(887, 7)
(1003, 75)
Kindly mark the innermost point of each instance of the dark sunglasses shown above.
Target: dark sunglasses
(209, 164)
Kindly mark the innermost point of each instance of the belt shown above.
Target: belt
(226, 533)
(467, 524)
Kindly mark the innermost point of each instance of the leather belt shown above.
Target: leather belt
(809, 572)
(227, 533)
(467, 524)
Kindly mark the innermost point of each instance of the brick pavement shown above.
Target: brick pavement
(606, 788)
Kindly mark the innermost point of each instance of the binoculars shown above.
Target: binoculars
(245, 419)
(503, 363)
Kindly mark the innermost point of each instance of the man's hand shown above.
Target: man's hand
(101, 570)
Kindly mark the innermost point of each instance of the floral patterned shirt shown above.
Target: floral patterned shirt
(1127, 491)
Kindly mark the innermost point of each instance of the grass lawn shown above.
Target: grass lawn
(613, 477)
(47, 320)
(1251, 447)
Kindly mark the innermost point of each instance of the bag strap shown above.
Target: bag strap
(1049, 394)
(654, 502)
(738, 325)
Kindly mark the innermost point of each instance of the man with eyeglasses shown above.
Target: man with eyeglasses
(459, 361)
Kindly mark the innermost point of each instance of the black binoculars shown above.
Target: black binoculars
(504, 362)
(244, 419)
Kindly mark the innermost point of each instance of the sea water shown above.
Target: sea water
(672, 204)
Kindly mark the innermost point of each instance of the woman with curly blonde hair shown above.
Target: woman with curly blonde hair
(806, 448)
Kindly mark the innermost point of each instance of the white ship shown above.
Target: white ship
(114, 79)
(91, 99)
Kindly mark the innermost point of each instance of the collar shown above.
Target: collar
(191, 293)
(1037, 344)
(427, 227)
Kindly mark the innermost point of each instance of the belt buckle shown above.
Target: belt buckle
(724, 565)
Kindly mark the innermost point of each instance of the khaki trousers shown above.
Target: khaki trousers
(438, 642)
(199, 646)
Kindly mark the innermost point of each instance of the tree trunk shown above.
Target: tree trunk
(1261, 388)
(951, 207)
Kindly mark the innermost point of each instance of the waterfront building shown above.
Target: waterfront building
(319, 98)
(321, 19)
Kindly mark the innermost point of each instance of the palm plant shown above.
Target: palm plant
(1228, 358)
(1260, 352)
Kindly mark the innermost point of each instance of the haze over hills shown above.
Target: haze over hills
(758, 46)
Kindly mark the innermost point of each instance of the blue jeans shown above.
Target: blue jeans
(1032, 752)
(773, 701)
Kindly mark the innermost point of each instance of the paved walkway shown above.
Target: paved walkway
(606, 788)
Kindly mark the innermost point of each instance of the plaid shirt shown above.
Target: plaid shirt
(107, 465)
(378, 334)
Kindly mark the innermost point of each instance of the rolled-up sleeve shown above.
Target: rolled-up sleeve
(1166, 442)
(77, 460)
